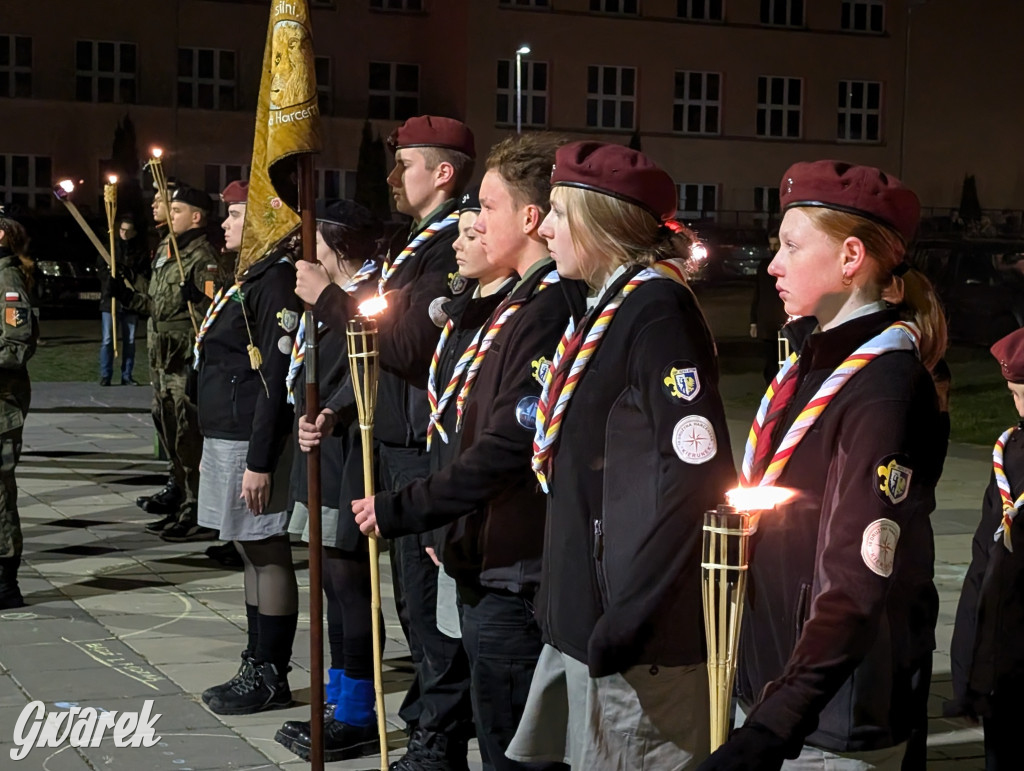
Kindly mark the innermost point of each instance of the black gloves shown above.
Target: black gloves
(120, 291)
(750, 748)
(191, 293)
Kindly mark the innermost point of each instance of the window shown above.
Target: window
(26, 180)
(766, 199)
(863, 16)
(778, 107)
(611, 97)
(782, 13)
(394, 90)
(697, 104)
(525, 3)
(15, 66)
(396, 5)
(322, 66)
(860, 111)
(332, 184)
(699, 10)
(534, 91)
(206, 78)
(105, 71)
(630, 7)
(698, 200)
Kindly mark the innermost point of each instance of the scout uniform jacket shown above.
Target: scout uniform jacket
(841, 608)
(643, 453)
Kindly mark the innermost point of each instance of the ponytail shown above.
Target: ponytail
(914, 293)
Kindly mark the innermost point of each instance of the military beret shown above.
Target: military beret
(171, 182)
(1009, 352)
(862, 190)
(236, 192)
(470, 200)
(193, 197)
(433, 131)
(617, 171)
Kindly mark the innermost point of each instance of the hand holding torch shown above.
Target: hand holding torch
(63, 190)
(110, 204)
(156, 168)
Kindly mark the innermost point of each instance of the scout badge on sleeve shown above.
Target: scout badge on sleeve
(13, 316)
(894, 479)
(878, 546)
(540, 369)
(681, 381)
(694, 440)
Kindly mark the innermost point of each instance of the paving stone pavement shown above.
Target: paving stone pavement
(117, 617)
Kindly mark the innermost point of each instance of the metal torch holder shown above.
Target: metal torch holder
(725, 558)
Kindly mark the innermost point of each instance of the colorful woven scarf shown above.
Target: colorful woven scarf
(1010, 506)
(504, 312)
(390, 268)
(561, 382)
(219, 301)
(298, 354)
(437, 406)
(901, 336)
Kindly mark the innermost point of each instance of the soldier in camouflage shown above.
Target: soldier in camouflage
(19, 332)
(175, 309)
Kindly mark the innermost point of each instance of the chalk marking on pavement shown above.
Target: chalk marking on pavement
(117, 662)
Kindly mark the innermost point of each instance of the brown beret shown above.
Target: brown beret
(1009, 352)
(617, 171)
(862, 190)
(236, 192)
(433, 131)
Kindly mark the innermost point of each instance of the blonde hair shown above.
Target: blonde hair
(607, 229)
(912, 291)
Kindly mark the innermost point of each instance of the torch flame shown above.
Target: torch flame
(66, 185)
(758, 498)
(373, 306)
(112, 179)
(156, 152)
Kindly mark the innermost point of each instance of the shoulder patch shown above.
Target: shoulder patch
(288, 319)
(680, 381)
(284, 345)
(878, 546)
(436, 311)
(540, 369)
(893, 483)
(526, 412)
(694, 440)
(16, 317)
(11, 297)
(457, 283)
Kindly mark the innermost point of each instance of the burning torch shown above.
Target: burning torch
(110, 204)
(726, 557)
(364, 366)
(156, 168)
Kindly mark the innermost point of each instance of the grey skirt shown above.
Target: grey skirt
(220, 493)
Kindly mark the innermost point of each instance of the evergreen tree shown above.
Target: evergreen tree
(372, 189)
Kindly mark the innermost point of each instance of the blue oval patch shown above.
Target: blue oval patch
(526, 412)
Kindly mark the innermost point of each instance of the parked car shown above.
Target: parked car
(733, 254)
(980, 283)
(66, 263)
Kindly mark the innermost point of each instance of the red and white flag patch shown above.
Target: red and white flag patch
(12, 297)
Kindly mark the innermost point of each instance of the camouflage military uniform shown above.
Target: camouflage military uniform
(171, 336)
(18, 334)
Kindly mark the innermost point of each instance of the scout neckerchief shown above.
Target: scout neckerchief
(390, 268)
(901, 336)
(298, 355)
(437, 406)
(505, 311)
(560, 382)
(219, 301)
(1010, 506)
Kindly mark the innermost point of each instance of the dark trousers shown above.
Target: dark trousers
(438, 700)
(1002, 735)
(503, 642)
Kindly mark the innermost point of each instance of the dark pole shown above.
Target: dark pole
(307, 197)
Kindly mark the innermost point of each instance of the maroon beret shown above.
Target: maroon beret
(616, 171)
(1009, 352)
(433, 131)
(236, 192)
(862, 190)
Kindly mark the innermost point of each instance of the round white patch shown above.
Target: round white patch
(878, 546)
(436, 311)
(694, 440)
(284, 345)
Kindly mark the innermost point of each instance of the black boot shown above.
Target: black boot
(243, 672)
(261, 688)
(341, 740)
(10, 594)
(432, 752)
(166, 501)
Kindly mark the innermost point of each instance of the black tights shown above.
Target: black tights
(271, 598)
(346, 578)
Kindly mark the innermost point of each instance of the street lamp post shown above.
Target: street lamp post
(520, 53)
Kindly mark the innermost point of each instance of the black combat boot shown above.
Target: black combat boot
(429, 751)
(243, 672)
(166, 501)
(341, 740)
(10, 594)
(295, 728)
(262, 687)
